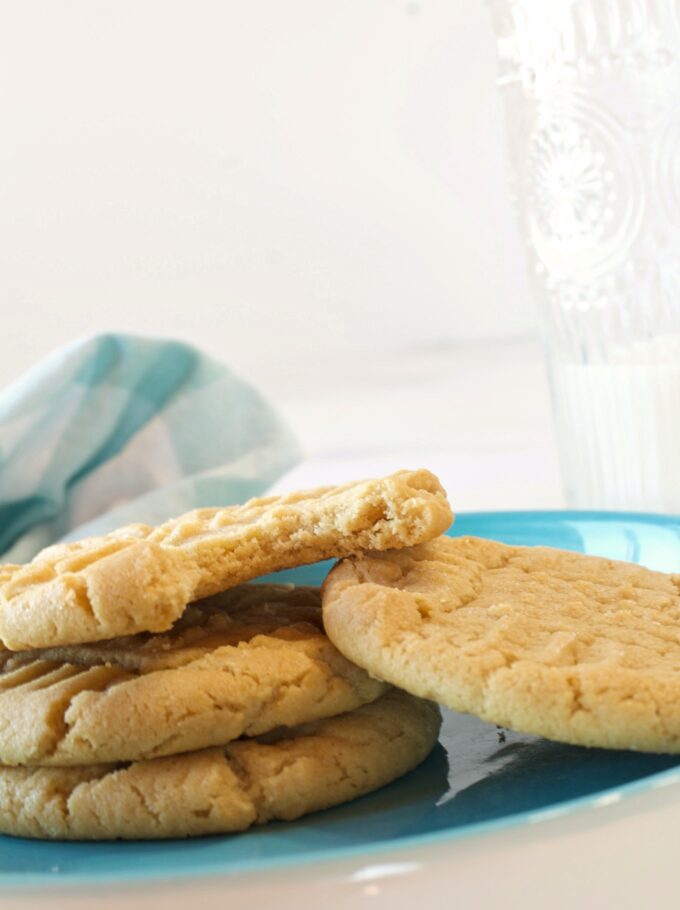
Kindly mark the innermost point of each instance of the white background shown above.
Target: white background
(279, 181)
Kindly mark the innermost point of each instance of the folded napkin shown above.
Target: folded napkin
(115, 428)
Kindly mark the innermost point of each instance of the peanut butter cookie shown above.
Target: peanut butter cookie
(574, 648)
(140, 579)
(243, 662)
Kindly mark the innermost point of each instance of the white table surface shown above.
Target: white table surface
(480, 419)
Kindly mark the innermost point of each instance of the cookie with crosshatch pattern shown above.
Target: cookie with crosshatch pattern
(240, 663)
(141, 578)
(574, 648)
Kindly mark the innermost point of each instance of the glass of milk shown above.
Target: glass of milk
(591, 92)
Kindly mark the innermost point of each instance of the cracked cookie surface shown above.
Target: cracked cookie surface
(574, 648)
(140, 578)
(243, 662)
(249, 782)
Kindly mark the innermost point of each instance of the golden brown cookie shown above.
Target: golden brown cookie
(574, 648)
(140, 578)
(243, 662)
(248, 782)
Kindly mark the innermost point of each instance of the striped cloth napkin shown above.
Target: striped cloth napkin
(116, 428)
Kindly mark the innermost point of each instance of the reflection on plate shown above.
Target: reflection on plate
(477, 777)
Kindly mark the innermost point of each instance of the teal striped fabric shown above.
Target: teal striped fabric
(117, 428)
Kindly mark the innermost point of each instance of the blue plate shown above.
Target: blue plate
(476, 779)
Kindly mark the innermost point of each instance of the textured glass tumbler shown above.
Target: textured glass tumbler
(591, 92)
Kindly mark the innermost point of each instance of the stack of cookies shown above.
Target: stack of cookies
(147, 691)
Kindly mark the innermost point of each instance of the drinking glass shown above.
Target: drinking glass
(591, 94)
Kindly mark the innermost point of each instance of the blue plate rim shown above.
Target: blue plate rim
(600, 798)
(663, 518)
